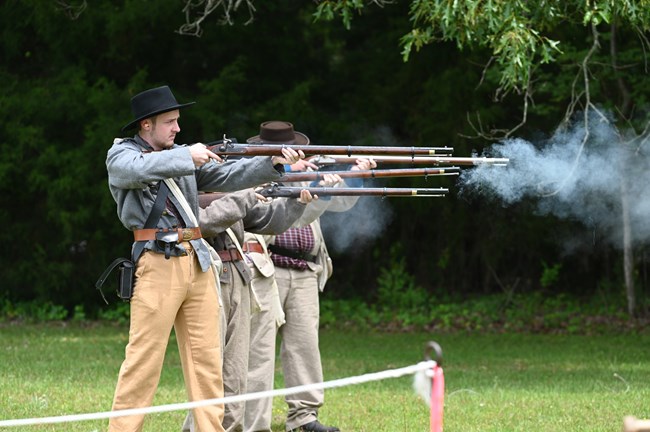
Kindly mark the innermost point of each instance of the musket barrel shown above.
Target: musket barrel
(331, 159)
(275, 149)
(294, 192)
(372, 173)
(277, 191)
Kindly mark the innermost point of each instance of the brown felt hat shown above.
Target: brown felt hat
(153, 102)
(278, 132)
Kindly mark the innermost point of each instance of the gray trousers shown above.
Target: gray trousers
(261, 361)
(236, 313)
(299, 350)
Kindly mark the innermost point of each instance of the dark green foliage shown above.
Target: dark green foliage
(495, 313)
(65, 86)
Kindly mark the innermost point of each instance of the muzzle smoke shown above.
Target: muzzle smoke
(351, 230)
(585, 183)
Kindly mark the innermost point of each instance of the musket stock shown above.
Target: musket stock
(372, 173)
(226, 148)
(206, 198)
(332, 159)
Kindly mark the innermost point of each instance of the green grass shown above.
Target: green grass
(494, 382)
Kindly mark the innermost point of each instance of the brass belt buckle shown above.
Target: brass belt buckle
(187, 234)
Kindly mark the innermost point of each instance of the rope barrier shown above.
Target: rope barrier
(391, 373)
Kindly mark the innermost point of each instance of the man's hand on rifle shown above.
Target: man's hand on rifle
(305, 196)
(330, 180)
(364, 164)
(201, 155)
(303, 165)
(289, 157)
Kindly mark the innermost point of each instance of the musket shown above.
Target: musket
(372, 173)
(228, 148)
(331, 159)
(276, 191)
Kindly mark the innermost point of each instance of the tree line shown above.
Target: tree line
(67, 79)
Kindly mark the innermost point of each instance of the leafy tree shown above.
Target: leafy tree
(526, 39)
(69, 67)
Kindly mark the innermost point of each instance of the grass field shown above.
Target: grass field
(494, 382)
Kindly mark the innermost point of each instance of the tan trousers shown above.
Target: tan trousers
(299, 350)
(171, 292)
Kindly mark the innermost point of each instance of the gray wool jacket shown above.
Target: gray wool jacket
(242, 211)
(134, 171)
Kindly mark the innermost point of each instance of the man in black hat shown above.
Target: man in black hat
(174, 283)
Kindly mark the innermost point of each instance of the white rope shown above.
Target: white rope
(391, 373)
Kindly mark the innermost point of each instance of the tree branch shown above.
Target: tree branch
(73, 12)
(588, 107)
(196, 11)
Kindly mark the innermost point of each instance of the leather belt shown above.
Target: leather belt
(253, 247)
(184, 234)
(279, 250)
(230, 255)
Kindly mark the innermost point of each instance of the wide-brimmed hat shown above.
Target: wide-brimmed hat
(153, 102)
(279, 132)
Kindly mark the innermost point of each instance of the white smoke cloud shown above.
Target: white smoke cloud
(572, 181)
(352, 230)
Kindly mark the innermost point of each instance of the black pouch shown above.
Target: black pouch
(125, 278)
(166, 241)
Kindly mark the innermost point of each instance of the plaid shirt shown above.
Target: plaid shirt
(295, 239)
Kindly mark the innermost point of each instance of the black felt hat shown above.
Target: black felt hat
(153, 102)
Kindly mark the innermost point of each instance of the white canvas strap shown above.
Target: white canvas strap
(256, 305)
(217, 265)
(276, 304)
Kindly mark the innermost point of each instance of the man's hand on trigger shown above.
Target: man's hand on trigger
(289, 157)
(302, 165)
(261, 198)
(201, 155)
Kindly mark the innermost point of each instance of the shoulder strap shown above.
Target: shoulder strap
(152, 219)
(176, 191)
(158, 206)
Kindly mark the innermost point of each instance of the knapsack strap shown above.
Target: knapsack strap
(152, 219)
